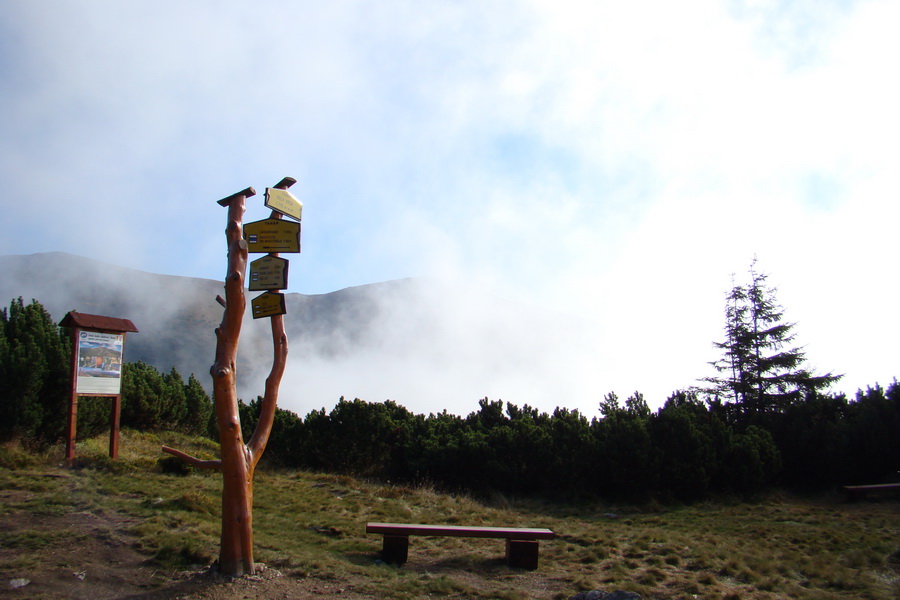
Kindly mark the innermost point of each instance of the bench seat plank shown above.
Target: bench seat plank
(873, 488)
(857, 492)
(511, 533)
(521, 542)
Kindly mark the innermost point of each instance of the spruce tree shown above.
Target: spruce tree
(761, 369)
(199, 407)
(34, 377)
(142, 389)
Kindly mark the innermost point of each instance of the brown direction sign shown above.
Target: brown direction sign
(268, 273)
(284, 202)
(268, 305)
(272, 235)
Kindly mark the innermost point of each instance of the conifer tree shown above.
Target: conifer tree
(34, 376)
(761, 369)
(143, 388)
(199, 407)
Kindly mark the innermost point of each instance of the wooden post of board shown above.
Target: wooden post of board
(73, 402)
(114, 419)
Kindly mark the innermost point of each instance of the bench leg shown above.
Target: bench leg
(395, 549)
(522, 554)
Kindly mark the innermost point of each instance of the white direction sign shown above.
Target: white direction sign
(284, 202)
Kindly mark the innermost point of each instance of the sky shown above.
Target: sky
(619, 162)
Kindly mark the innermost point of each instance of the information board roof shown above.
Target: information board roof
(86, 321)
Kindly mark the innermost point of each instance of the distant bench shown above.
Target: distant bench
(521, 543)
(859, 492)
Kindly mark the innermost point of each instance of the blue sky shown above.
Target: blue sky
(616, 161)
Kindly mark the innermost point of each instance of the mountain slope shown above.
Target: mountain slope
(424, 343)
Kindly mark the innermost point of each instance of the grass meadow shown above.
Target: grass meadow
(312, 525)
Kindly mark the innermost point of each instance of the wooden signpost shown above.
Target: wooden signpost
(238, 460)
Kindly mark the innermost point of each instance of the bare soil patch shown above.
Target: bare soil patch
(93, 557)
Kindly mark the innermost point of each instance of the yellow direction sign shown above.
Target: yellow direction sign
(272, 235)
(268, 305)
(284, 202)
(268, 273)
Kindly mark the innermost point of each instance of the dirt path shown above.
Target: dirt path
(90, 556)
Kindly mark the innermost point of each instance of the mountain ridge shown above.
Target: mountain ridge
(416, 338)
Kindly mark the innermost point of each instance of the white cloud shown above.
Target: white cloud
(613, 160)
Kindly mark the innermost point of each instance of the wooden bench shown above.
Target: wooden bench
(859, 492)
(521, 543)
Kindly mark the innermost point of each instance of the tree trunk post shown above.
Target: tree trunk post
(237, 520)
